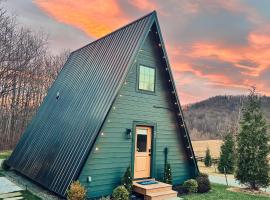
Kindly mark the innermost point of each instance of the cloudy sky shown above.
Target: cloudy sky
(215, 46)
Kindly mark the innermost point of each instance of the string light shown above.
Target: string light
(159, 45)
(109, 121)
(120, 95)
(175, 103)
(114, 107)
(166, 68)
(169, 80)
(97, 149)
(102, 133)
(125, 82)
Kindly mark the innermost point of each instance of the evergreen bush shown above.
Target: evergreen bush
(253, 147)
(191, 185)
(167, 174)
(5, 166)
(203, 183)
(127, 180)
(208, 158)
(120, 193)
(227, 155)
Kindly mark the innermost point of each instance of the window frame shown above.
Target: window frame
(138, 79)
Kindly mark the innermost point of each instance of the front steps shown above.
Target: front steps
(159, 191)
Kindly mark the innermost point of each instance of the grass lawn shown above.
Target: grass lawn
(29, 196)
(219, 192)
(5, 154)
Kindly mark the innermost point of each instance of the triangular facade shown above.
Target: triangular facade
(100, 113)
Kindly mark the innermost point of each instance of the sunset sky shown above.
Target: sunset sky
(215, 47)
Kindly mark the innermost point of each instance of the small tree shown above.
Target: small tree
(227, 155)
(208, 158)
(253, 146)
(168, 174)
(127, 180)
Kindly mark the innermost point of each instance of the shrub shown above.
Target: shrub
(127, 180)
(167, 174)
(191, 185)
(76, 191)
(5, 166)
(227, 155)
(203, 183)
(208, 158)
(180, 189)
(120, 193)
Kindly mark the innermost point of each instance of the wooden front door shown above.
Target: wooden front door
(142, 163)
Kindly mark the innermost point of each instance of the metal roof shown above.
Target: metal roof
(57, 142)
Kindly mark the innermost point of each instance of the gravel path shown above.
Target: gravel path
(24, 183)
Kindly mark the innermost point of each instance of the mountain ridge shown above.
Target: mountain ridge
(214, 117)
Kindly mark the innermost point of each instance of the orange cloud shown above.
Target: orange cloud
(96, 18)
(144, 5)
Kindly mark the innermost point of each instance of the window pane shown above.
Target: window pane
(146, 78)
(141, 143)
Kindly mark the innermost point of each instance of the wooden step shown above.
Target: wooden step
(152, 188)
(161, 195)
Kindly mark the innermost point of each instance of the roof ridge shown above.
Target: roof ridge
(125, 26)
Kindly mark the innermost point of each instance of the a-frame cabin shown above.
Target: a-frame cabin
(113, 105)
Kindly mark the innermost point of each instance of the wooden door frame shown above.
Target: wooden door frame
(153, 146)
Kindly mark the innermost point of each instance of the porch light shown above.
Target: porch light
(128, 133)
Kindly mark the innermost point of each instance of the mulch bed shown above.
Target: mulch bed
(249, 191)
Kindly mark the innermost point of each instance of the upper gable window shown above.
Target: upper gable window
(146, 78)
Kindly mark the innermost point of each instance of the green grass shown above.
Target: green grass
(219, 192)
(5, 154)
(29, 196)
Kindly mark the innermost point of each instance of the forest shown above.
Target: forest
(218, 116)
(27, 70)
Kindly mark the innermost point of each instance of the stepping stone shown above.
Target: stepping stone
(6, 186)
(13, 198)
(8, 195)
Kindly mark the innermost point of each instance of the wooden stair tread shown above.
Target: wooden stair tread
(151, 186)
(155, 194)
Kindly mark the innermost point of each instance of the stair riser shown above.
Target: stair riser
(158, 190)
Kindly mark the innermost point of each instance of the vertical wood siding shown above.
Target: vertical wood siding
(107, 164)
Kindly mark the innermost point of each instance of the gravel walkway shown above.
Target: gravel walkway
(6, 186)
(25, 183)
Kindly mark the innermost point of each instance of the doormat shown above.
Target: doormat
(147, 182)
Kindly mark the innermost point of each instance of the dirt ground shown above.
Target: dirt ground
(200, 147)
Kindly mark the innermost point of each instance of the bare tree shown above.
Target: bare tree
(27, 70)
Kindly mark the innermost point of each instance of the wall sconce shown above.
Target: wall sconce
(57, 95)
(128, 133)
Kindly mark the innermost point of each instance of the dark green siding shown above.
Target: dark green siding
(107, 164)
